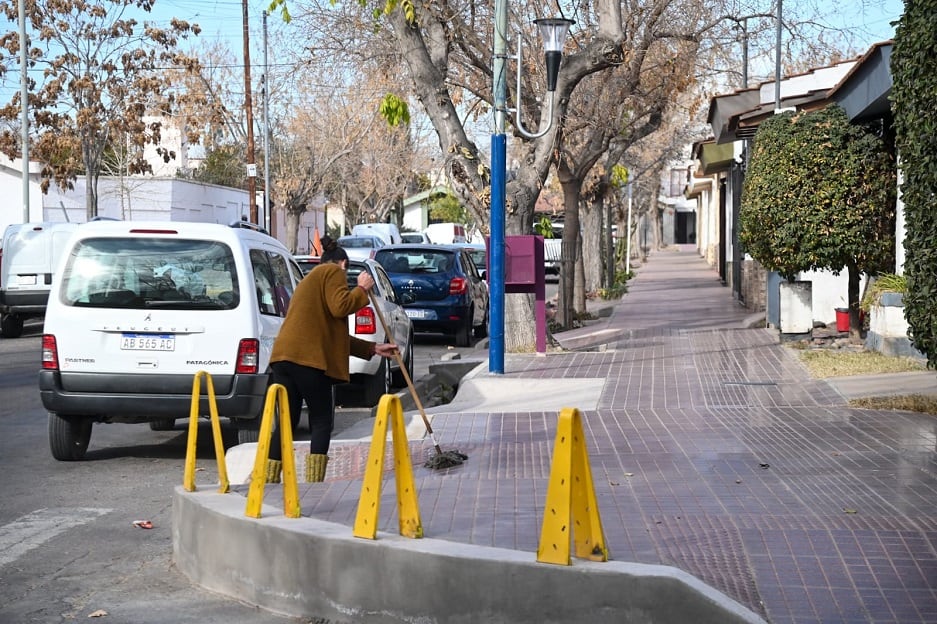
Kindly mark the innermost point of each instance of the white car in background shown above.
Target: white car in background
(371, 379)
(360, 247)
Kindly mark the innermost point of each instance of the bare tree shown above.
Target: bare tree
(446, 49)
(102, 74)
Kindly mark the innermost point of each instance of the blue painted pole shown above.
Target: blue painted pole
(498, 183)
(496, 320)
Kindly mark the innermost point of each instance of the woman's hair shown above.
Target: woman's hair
(331, 252)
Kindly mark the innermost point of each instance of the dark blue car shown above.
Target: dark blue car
(440, 288)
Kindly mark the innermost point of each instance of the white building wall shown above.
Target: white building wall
(11, 187)
(828, 293)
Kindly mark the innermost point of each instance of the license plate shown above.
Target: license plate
(419, 314)
(148, 342)
(26, 280)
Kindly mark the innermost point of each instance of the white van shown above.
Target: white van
(445, 233)
(388, 232)
(28, 254)
(138, 308)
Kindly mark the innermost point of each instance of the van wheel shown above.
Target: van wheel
(11, 325)
(163, 424)
(69, 436)
(247, 434)
(399, 380)
(378, 384)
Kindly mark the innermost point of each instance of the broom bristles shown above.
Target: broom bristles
(446, 459)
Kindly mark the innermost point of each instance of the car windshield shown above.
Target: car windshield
(147, 273)
(415, 260)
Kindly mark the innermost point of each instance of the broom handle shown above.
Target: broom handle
(403, 368)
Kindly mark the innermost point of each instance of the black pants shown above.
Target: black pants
(313, 386)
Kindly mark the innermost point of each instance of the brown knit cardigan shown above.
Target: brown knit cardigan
(315, 331)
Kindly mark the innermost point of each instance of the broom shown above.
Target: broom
(441, 459)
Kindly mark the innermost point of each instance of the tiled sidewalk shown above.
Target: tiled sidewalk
(712, 450)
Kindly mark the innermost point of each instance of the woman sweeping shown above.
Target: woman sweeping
(310, 354)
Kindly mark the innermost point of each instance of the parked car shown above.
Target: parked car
(138, 308)
(306, 263)
(360, 247)
(378, 376)
(28, 255)
(479, 254)
(440, 288)
(413, 237)
(387, 232)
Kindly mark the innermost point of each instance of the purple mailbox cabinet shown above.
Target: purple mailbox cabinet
(524, 273)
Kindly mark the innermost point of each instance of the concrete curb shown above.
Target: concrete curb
(311, 568)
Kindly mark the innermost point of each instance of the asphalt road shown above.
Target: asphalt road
(69, 549)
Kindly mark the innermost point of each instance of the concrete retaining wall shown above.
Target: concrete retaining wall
(888, 329)
(310, 568)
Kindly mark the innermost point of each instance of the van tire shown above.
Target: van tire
(247, 435)
(69, 436)
(11, 325)
(163, 424)
(378, 384)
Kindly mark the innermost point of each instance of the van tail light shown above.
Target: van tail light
(364, 321)
(248, 359)
(50, 353)
(458, 286)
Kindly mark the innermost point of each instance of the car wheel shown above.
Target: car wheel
(11, 325)
(378, 384)
(69, 436)
(482, 330)
(463, 335)
(163, 424)
(398, 378)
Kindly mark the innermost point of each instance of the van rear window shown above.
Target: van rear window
(147, 273)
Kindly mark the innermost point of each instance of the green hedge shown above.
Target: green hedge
(914, 98)
(819, 193)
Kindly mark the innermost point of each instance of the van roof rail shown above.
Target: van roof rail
(249, 226)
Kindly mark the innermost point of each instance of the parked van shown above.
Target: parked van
(138, 308)
(445, 233)
(388, 232)
(28, 254)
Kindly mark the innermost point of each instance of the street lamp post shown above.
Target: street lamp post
(553, 31)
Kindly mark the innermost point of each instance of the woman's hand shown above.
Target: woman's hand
(386, 350)
(365, 281)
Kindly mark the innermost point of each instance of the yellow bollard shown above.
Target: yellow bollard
(571, 510)
(408, 511)
(188, 479)
(276, 397)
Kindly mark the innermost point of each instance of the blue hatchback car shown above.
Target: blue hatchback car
(440, 288)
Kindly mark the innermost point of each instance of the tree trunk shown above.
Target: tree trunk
(293, 216)
(855, 326)
(593, 248)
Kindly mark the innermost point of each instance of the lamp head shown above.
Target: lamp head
(553, 30)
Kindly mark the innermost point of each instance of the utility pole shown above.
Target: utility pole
(249, 110)
(268, 218)
(24, 108)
